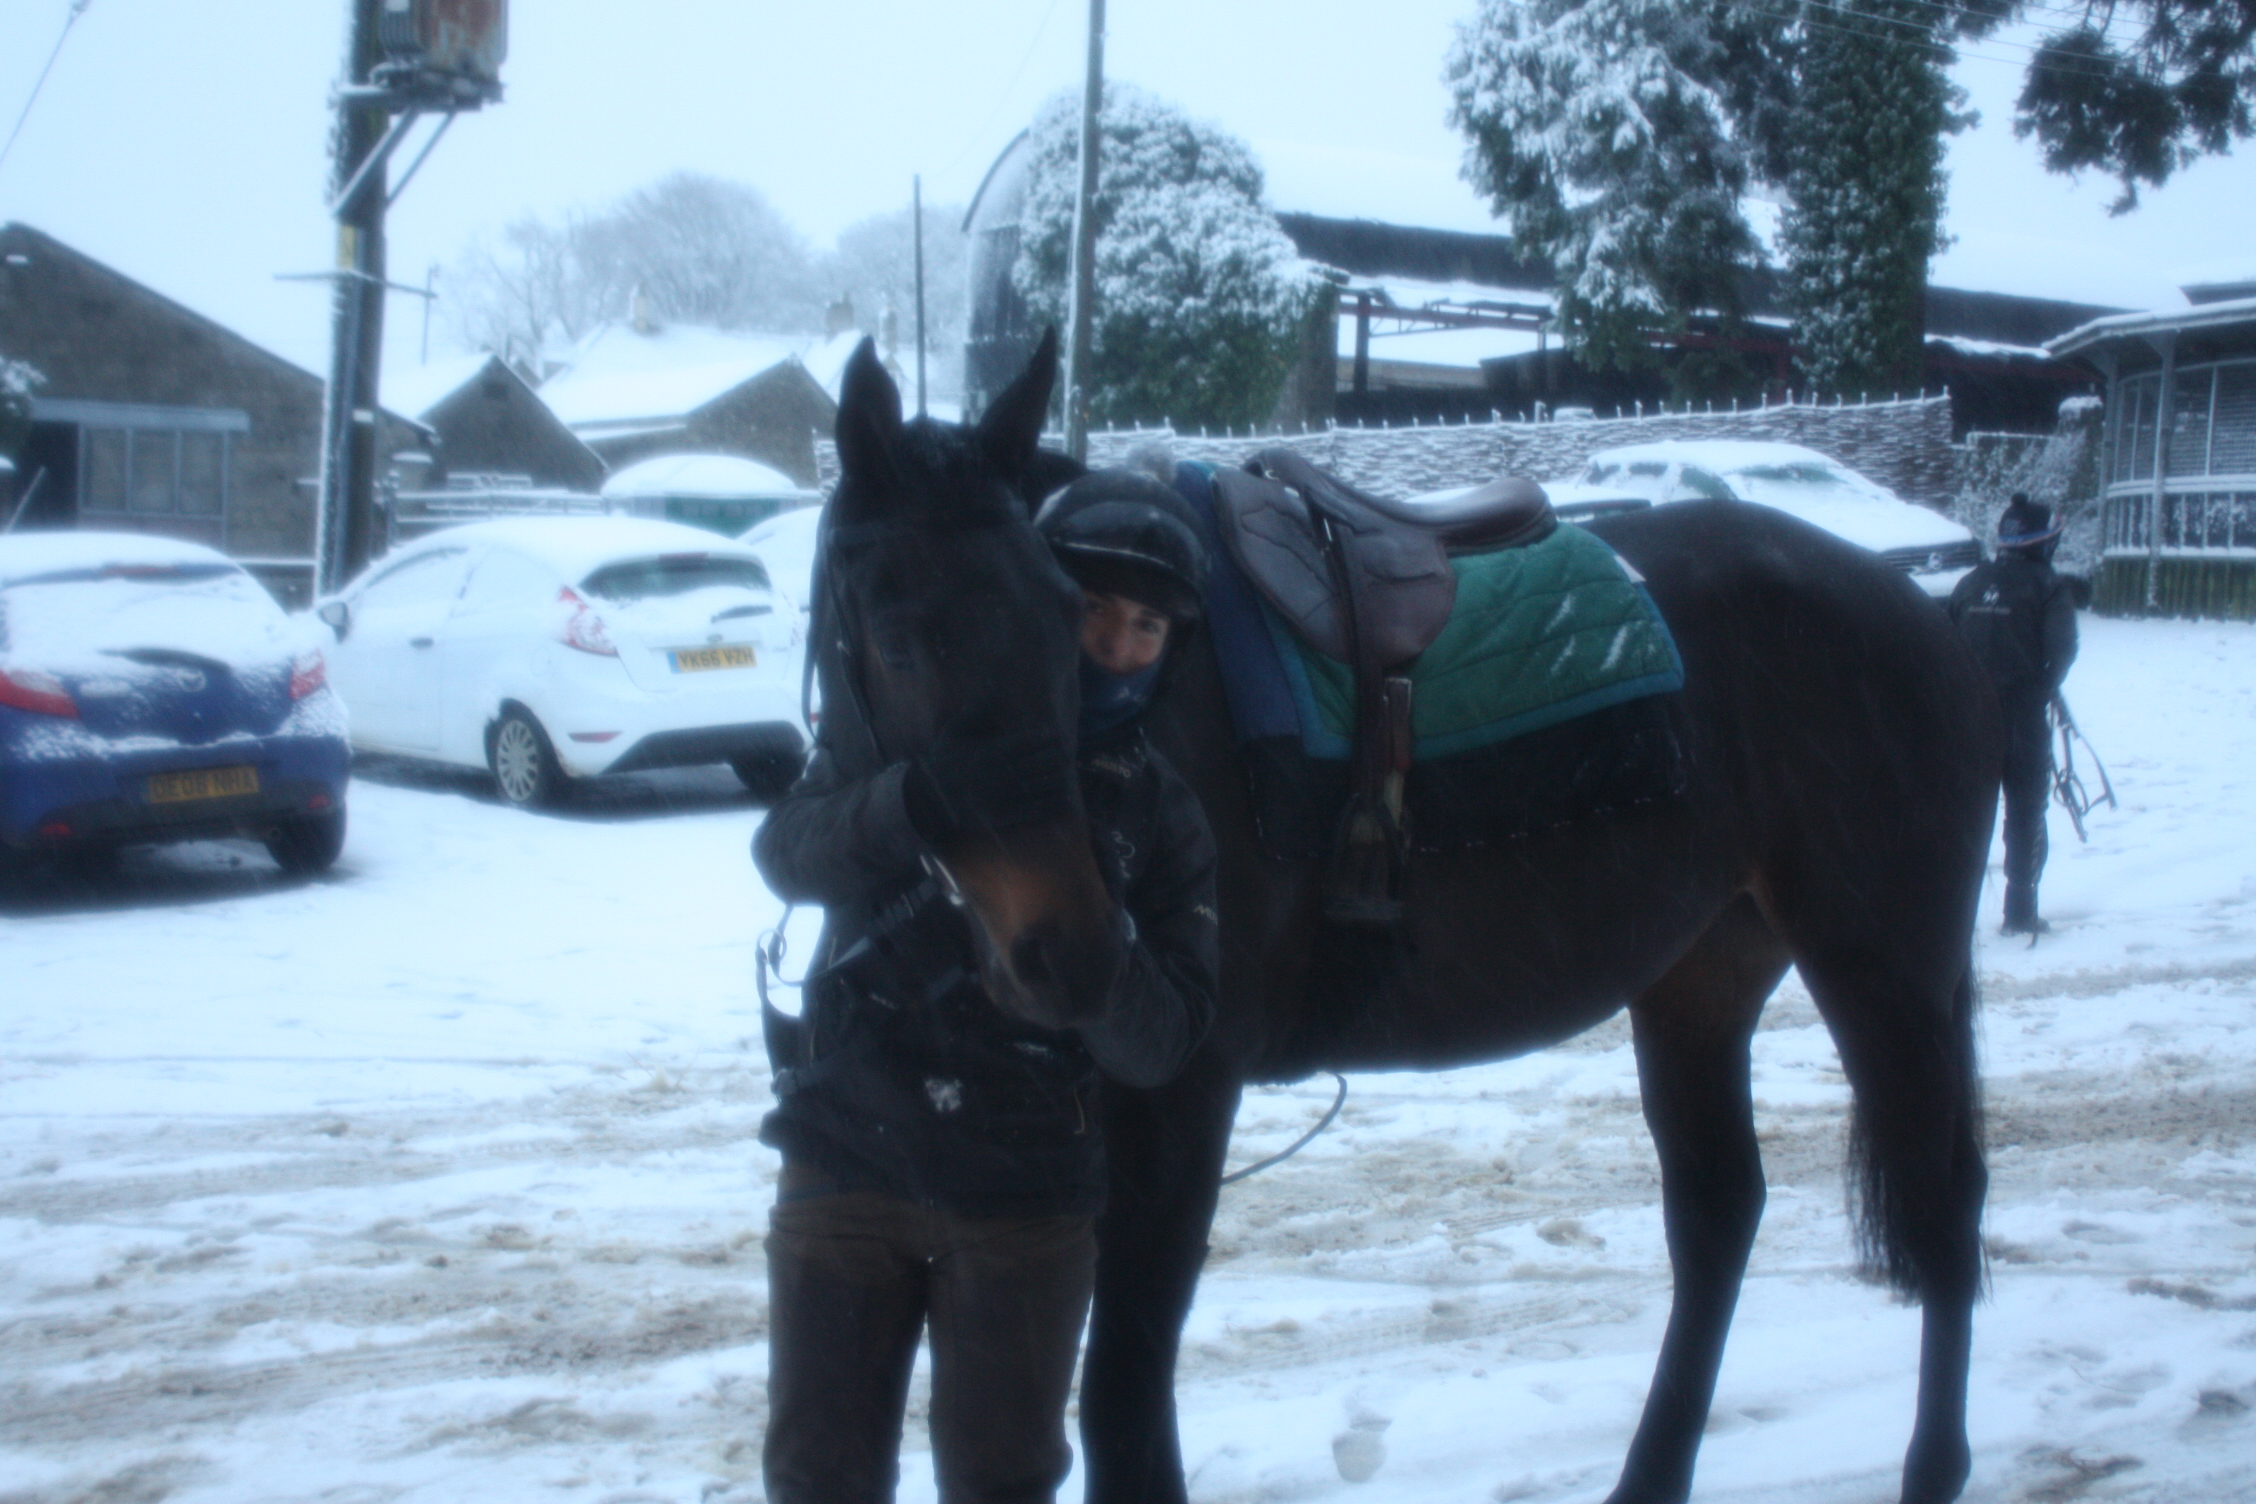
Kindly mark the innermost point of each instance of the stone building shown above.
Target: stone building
(632, 391)
(485, 420)
(153, 418)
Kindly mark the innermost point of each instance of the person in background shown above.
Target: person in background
(942, 1161)
(2019, 617)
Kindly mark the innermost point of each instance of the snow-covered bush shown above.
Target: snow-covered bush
(1202, 303)
(18, 380)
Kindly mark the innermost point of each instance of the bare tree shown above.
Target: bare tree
(700, 249)
(529, 293)
(706, 251)
(874, 264)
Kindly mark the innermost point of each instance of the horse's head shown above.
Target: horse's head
(952, 621)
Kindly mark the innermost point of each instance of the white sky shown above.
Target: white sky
(185, 144)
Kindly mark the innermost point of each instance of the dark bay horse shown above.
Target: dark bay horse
(1843, 756)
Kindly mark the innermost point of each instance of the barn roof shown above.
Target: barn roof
(619, 375)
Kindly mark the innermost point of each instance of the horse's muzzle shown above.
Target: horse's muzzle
(1053, 946)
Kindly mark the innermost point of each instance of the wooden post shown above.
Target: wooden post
(1081, 304)
(916, 211)
(2165, 415)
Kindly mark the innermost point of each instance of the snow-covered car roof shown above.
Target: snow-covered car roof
(1806, 483)
(786, 542)
(575, 545)
(724, 476)
(24, 555)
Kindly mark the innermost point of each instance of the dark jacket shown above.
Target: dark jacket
(2019, 617)
(906, 1078)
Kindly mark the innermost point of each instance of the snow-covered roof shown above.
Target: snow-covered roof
(574, 545)
(719, 476)
(1989, 349)
(826, 359)
(618, 375)
(26, 554)
(415, 390)
(2155, 321)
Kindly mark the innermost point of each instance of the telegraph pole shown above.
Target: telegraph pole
(1081, 305)
(404, 59)
(346, 513)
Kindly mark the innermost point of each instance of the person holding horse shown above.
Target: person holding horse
(942, 1164)
(2019, 617)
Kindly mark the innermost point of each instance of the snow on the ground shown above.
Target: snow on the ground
(436, 1180)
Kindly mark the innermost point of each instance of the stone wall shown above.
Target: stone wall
(2060, 469)
(1905, 446)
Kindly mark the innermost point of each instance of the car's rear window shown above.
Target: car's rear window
(1792, 474)
(673, 574)
(69, 612)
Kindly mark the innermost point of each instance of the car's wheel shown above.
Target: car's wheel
(524, 764)
(305, 844)
(768, 775)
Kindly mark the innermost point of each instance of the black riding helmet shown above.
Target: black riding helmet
(1123, 532)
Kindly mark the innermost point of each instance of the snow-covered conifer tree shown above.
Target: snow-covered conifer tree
(1866, 191)
(1603, 131)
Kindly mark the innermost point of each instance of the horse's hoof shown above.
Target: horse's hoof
(1937, 1474)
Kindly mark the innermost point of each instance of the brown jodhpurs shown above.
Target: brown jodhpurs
(854, 1278)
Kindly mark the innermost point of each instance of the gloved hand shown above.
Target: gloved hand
(963, 786)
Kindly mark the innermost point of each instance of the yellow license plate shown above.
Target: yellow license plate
(693, 660)
(202, 783)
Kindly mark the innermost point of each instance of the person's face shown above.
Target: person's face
(1122, 635)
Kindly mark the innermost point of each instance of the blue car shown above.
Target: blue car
(150, 690)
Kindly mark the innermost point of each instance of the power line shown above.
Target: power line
(1002, 96)
(1918, 34)
(78, 8)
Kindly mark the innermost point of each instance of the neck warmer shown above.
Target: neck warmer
(1110, 700)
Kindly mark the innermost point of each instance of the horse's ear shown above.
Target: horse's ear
(869, 419)
(1011, 428)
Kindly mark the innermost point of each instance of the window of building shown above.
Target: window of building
(150, 462)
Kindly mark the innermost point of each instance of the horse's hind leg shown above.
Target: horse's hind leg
(1163, 1150)
(1692, 1030)
(1916, 1162)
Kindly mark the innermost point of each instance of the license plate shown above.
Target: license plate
(202, 783)
(696, 660)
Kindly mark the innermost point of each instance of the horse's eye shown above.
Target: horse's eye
(896, 656)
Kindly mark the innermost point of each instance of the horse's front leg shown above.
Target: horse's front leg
(1163, 1156)
(1692, 1030)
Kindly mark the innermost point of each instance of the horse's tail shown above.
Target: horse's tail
(1916, 1172)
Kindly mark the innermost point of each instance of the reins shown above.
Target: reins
(1300, 1143)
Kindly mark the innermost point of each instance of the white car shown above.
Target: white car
(786, 544)
(1931, 548)
(552, 648)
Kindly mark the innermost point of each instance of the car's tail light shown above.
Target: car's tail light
(308, 674)
(29, 689)
(583, 629)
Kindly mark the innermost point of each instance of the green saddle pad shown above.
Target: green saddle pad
(1539, 635)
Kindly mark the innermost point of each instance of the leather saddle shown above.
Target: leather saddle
(1360, 578)
(1366, 581)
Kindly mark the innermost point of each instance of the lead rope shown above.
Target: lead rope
(768, 952)
(2067, 784)
(1299, 1143)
